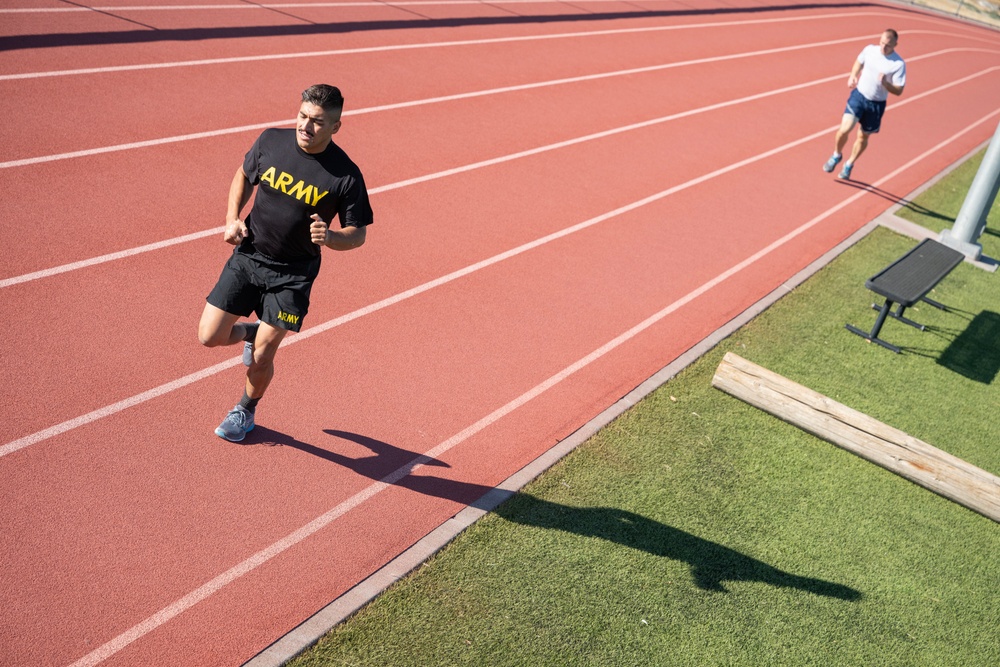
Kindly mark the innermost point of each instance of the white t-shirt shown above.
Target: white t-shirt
(877, 66)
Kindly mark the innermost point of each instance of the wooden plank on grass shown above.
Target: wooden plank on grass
(858, 433)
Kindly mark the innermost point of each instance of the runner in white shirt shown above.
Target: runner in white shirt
(878, 71)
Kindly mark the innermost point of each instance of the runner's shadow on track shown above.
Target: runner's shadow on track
(385, 458)
(711, 564)
(265, 437)
(896, 199)
(146, 33)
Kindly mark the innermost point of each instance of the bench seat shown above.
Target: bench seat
(907, 281)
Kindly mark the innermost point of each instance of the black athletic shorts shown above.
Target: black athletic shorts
(277, 291)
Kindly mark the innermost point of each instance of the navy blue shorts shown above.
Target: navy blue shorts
(868, 113)
(277, 291)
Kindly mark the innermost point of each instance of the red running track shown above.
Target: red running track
(567, 198)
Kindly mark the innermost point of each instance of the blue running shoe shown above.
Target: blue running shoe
(248, 345)
(831, 163)
(845, 173)
(236, 425)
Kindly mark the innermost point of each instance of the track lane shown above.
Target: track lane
(74, 352)
(86, 373)
(383, 75)
(101, 226)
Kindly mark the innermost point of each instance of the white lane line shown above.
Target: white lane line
(421, 102)
(148, 143)
(174, 385)
(429, 45)
(23, 162)
(46, 273)
(164, 389)
(256, 560)
(110, 257)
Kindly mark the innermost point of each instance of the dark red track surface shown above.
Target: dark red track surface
(131, 534)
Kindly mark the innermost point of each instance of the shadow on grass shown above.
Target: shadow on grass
(942, 333)
(972, 352)
(711, 564)
(975, 352)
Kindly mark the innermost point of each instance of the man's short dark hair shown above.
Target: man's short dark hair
(326, 96)
(892, 33)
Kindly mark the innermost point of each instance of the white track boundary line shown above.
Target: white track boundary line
(64, 268)
(314, 526)
(168, 387)
(333, 5)
(288, 5)
(436, 45)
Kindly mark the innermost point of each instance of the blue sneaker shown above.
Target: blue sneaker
(236, 425)
(248, 345)
(845, 173)
(831, 163)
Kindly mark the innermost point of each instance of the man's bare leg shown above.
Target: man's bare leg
(839, 141)
(262, 367)
(217, 327)
(846, 125)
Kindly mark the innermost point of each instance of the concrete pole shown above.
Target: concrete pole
(971, 220)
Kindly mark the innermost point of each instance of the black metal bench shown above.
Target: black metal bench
(907, 281)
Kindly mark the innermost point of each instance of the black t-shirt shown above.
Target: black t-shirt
(292, 185)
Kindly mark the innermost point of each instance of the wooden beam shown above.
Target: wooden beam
(858, 433)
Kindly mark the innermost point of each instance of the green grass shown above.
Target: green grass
(697, 530)
(939, 210)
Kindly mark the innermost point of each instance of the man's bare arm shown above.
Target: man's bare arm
(345, 238)
(239, 195)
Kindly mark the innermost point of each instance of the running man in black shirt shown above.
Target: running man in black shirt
(305, 181)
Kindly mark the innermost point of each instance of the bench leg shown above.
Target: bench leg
(898, 315)
(939, 306)
(872, 336)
